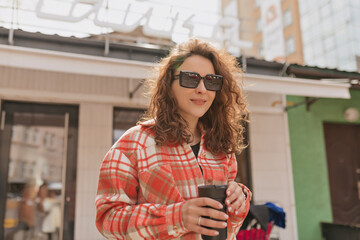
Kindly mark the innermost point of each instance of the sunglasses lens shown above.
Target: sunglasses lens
(189, 80)
(213, 82)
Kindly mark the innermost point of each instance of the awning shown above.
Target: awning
(296, 86)
(30, 58)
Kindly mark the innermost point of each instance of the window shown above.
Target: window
(325, 11)
(314, 17)
(344, 52)
(125, 118)
(355, 15)
(306, 37)
(331, 58)
(315, 33)
(341, 37)
(260, 49)
(338, 5)
(355, 3)
(308, 53)
(305, 23)
(322, 2)
(329, 43)
(318, 48)
(326, 27)
(340, 18)
(258, 25)
(231, 9)
(320, 61)
(257, 3)
(303, 7)
(290, 46)
(287, 18)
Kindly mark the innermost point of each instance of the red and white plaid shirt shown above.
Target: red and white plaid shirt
(142, 187)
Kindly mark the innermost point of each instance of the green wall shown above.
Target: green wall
(308, 153)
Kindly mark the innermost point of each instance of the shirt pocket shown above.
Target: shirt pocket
(215, 174)
(157, 185)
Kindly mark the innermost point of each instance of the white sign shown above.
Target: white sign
(223, 31)
(273, 38)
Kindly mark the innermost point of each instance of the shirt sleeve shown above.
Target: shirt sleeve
(119, 216)
(235, 221)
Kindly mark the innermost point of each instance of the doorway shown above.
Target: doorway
(343, 160)
(38, 155)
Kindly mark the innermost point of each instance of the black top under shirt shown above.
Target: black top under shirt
(196, 149)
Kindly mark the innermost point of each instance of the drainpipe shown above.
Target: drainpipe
(11, 36)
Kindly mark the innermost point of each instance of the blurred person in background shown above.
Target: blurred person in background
(49, 205)
(25, 227)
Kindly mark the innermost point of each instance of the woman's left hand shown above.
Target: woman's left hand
(236, 198)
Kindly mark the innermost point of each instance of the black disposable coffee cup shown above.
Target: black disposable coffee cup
(218, 193)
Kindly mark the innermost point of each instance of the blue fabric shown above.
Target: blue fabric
(277, 214)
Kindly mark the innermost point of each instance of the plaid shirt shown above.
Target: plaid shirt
(142, 187)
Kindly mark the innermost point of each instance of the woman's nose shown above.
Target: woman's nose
(201, 87)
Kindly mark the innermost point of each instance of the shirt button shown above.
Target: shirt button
(210, 180)
(203, 154)
(176, 229)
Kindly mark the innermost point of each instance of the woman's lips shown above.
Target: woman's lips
(198, 101)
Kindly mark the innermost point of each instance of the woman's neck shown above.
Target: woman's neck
(195, 133)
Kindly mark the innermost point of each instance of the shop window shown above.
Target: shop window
(257, 3)
(290, 46)
(258, 25)
(287, 18)
(125, 118)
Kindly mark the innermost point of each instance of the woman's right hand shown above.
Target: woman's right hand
(193, 209)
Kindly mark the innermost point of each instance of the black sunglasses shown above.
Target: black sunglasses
(188, 79)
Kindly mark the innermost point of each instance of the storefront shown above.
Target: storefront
(61, 112)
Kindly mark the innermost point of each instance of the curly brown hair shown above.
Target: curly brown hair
(222, 122)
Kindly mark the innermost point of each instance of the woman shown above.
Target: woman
(148, 180)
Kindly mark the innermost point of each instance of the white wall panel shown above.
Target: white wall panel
(270, 161)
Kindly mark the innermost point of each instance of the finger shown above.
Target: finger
(198, 227)
(241, 209)
(231, 188)
(247, 193)
(237, 203)
(213, 213)
(233, 198)
(205, 231)
(204, 201)
(212, 223)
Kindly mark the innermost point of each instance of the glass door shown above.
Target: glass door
(37, 178)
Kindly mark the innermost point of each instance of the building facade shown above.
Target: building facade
(251, 29)
(316, 33)
(324, 151)
(82, 102)
(79, 95)
(330, 33)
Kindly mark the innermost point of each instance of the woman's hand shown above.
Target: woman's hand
(236, 197)
(193, 210)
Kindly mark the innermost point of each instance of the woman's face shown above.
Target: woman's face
(193, 103)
